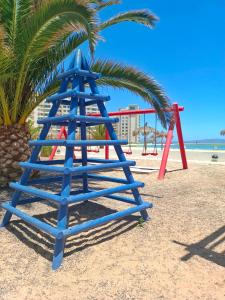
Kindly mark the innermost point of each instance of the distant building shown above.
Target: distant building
(128, 124)
(42, 110)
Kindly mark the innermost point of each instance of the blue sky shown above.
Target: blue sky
(185, 53)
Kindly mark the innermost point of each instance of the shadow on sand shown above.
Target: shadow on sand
(43, 243)
(205, 248)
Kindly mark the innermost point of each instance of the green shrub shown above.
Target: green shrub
(46, 151)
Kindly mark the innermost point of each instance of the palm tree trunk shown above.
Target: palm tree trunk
(13, 149)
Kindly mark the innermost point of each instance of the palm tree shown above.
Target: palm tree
(35, 36)
(98, 132)
(161, 135)
(145, 131)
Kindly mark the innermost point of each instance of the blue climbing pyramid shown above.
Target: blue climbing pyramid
(72, 93)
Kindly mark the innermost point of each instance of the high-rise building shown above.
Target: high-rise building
(128, 124)
(42, 110)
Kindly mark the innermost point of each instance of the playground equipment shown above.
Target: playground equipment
(78, 75)
(175, 123)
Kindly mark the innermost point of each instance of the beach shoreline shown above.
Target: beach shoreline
(193, 155)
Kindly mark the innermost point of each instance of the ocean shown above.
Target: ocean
(194, 146)
(191, 146)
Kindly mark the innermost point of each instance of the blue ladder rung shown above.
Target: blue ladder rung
(93, 102)
(87, 103)
(31, 220)
(76, 170)
(84, 119)
(104, 192)
(119, 198)
(66, 123)
(79, 72)
(79, 143)
(94, 177)
(75, 93)
(102, 160)
(100, 221)
(107, 178)
(36, 192)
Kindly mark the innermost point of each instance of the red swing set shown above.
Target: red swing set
(174, 123)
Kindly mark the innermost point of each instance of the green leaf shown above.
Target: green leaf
(144, 17)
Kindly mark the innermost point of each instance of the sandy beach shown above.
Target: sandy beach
(179, 254)
(202, 156)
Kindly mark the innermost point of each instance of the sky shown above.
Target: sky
(185, 53)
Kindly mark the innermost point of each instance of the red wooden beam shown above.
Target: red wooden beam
(180, 135)
(138, 112)
(166, 151)
(59, 136)
(175, 121)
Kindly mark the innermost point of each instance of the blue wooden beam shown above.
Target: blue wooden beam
(78, 170)
(100, 221)
(77, 143)
(107, 178)
(78, 72)
(74, 93)
(103, 192)
(36, 192)
(72, 117)
(87, 103)
(31, 220)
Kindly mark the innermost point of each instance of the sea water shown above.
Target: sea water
(191, 146)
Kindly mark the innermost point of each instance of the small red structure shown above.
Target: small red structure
(175, 122)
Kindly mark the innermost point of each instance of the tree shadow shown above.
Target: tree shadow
(206, 248)
(43, 244)
(5, 195)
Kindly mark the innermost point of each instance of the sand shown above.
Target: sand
(179, 254)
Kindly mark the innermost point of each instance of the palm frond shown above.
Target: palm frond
(100, 4)
(144, 17)
(13, 14)
(126, 77)
(52, 19)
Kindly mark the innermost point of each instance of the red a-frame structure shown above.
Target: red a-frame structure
(175, 122)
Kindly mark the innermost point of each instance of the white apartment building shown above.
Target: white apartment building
(128, 124)
(42, 111)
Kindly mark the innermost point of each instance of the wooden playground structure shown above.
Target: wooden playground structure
(70, 169)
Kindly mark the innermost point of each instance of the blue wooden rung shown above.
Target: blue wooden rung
(83, 119)
(81, 143)
(74, 72)
(68, 170)
(74, 93)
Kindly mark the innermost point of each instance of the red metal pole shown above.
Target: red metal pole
(180, 136)
(59, 136)
(166, 151)
(106, 146)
